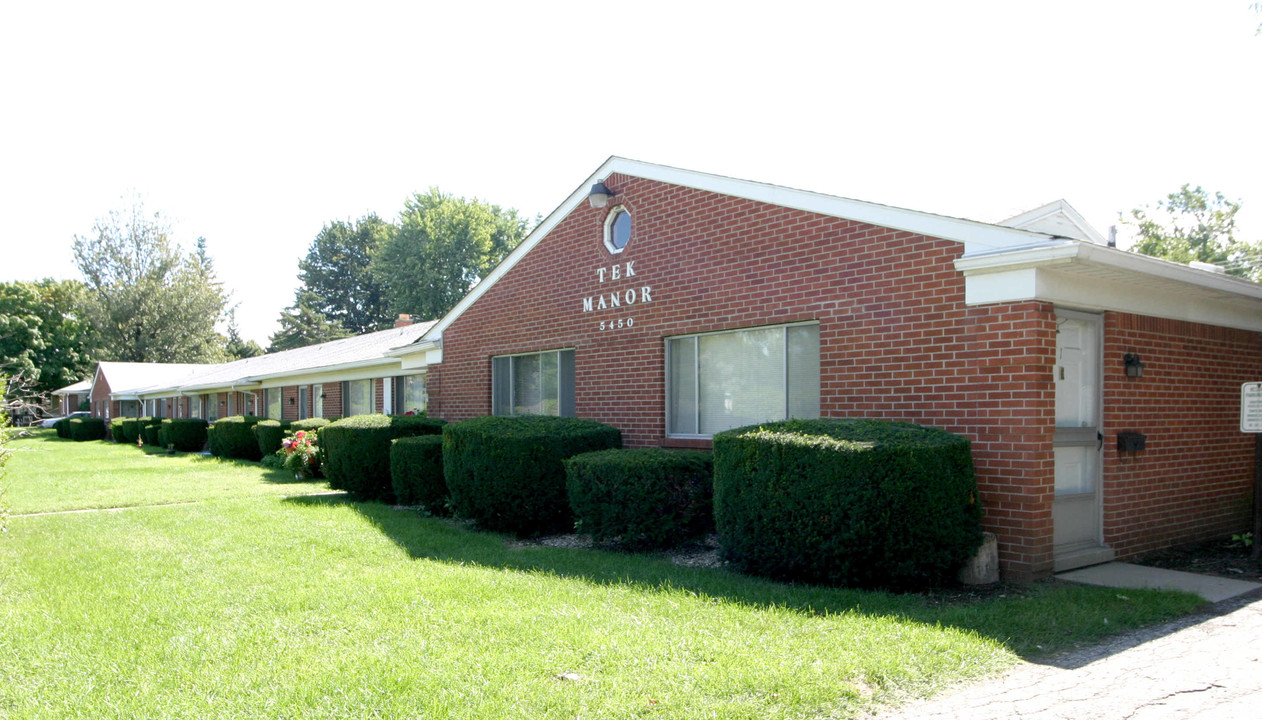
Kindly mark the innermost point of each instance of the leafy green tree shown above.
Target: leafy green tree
(338, 276)
(1191, 225)
(302, 325)
(443, 247)
(150, 302)
(43, 334)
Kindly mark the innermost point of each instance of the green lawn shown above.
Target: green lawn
(259, 599)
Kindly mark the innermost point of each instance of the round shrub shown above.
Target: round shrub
(116, 429)
(62, 427)
(506, 473)
(846, 502)
(309, 425)
(81, 429)
(416, 472)
(150, 430)
(186, 434)
(233, 437)
(269, 434)
(647, 497)
(131, 430)
(356, 451)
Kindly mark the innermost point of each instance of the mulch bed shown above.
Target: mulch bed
(1223, 557)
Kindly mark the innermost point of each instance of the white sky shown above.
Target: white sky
(255, 123)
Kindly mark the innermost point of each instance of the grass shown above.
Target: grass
(67, 475)
(262, 600)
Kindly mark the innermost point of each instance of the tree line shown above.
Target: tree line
(143, 298)
(359, 275)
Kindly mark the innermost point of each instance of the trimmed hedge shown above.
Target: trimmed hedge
(186, 434)
(416, 472)
(233, 437)
(116, 429)
(81, 429)
(846, 502)
(150, 429)
(309, 425)
(506, 473)
(62, 427)
(131, 430)
(269, 434)
(647, 497)
(357, 451)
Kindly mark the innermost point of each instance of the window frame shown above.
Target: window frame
(348, 394)
(696, 374)
(565, 392)
(610, 218)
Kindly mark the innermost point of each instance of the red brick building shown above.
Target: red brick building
(678, 304)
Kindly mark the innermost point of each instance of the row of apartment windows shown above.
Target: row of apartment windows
(405, 394)
(714, 381)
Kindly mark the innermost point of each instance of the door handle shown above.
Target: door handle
(1099, 436)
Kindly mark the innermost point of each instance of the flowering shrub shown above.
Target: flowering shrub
(301, 455)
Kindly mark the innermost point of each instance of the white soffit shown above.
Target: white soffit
(975, 236)
(1091, 277)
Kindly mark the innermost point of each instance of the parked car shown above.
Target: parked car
(49, 422)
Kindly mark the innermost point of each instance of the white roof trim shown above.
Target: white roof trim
(1061, 209)
(1078, 274)
(975, 236)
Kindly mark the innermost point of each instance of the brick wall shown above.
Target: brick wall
(101, 406)
(333, 400)
(896, 340)
(1195, 478)
(289, 402)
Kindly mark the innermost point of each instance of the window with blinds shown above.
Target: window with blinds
(718, 381)
(357, 397)
(533, 384)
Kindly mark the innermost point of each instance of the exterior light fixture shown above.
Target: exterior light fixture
(293, 400)
(1134, 368)
(599, 196)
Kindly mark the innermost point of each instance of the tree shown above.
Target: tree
(1191, 225)
(302, 325)
(443, 247)
(43, 333)
(338, 276)
(236, 347)
(150, 302)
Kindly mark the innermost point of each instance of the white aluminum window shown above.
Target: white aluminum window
(273, 402)
(533, 384)
(412, 395)
(357, 397)
(718, 381)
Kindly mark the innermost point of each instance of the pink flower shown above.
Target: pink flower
(300, 434)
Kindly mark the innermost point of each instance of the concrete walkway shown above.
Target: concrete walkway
(1125, 575)
(1206, 666)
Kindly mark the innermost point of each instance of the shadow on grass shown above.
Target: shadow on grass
(275, 476)
(1033, 621)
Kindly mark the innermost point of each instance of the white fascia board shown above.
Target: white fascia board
(975, 236)
(1052, 274)
(418, 356)
(377, 367)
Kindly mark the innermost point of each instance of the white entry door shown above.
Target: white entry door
(1076, 520)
